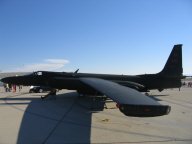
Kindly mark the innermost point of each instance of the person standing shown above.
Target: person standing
(14, 88)
(20, 87)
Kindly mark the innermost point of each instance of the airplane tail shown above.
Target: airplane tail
(173, 67)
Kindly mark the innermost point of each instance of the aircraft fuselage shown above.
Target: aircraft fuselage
(62, 80)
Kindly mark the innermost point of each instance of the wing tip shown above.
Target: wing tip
(144, 110)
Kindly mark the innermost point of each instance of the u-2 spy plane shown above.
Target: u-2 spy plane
(125, 90)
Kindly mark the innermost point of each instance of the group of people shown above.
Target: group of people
(11, 88)
(189, 84)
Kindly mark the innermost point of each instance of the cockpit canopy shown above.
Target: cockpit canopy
(49, 74)
(39, 73)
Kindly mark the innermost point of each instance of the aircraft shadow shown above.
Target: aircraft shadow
(160, 95)
(64, 120)
(155, 97)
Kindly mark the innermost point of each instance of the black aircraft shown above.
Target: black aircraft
(122, 89)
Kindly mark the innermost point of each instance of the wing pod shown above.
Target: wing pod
(144, 110)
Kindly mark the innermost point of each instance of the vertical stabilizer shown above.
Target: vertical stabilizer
(173, 67)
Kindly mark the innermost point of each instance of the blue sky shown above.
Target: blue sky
(101, 36)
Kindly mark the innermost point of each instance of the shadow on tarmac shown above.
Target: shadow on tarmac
(64, 120)
(68, 119)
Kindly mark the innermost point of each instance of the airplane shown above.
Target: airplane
(125, 90)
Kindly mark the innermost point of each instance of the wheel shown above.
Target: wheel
(31, 91)
(40, 90)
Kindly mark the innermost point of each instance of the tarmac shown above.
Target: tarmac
(26, 119)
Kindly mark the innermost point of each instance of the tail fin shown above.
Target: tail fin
(173, 67)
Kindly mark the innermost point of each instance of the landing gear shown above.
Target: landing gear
(95, 101)
(147, 94)
(51, 93)
(98, 103)
(160, 89)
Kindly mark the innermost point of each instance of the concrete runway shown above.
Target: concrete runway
(26, 119)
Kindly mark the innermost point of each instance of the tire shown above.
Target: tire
(40, 90)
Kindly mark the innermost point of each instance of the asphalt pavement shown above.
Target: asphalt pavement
(26, 119)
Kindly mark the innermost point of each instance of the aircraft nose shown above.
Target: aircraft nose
(7, 80)
(19, 80)
(4, 80)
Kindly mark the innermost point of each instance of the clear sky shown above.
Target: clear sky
(100, 36)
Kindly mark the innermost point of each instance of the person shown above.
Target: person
(9, 87)
(189, 84)
(5, 87)
(14, 88)
(20, 87)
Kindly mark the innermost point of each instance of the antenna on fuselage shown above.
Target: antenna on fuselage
(76, 71)
(73, 74)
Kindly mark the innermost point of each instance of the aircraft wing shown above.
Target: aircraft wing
(129, 101)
